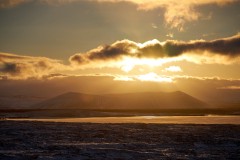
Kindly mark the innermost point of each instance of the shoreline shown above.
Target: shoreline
(211, 119)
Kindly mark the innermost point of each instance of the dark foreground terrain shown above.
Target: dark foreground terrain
(49, 140)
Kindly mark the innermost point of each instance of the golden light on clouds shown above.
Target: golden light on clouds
(148, 77)
(127, 54)
(154, 78)
(129, 57)
(209, 58)
(173, 69)
(123, 78)
(127, 64)
(230, 87)
(120, 46)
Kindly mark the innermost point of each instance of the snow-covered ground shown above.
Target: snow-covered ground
(50, 140)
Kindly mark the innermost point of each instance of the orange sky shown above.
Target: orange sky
(152, 43)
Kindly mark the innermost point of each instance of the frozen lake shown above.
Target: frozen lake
(141, 141)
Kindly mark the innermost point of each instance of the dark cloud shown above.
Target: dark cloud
(228, 47)
(11, 68)
(111, 51)
(105, 52)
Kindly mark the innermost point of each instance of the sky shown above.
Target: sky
(151, 43)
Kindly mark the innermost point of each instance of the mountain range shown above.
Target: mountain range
(127, 101)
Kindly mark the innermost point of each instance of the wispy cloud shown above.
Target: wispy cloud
(177, 13)
(11, 3)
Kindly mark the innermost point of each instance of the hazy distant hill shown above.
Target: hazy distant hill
(18, 101)
(151, 100)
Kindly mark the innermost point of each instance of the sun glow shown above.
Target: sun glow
(173, 69)
(127, 64)
(154, 78)
(123, 78)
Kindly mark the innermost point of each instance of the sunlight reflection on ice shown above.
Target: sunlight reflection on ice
(149, 117)
(145, 119)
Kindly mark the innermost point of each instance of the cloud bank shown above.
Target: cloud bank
(177, 13)
(223, 50)
(23, 67)
(125, 55)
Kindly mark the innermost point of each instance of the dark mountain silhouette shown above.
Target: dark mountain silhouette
(132, 101)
